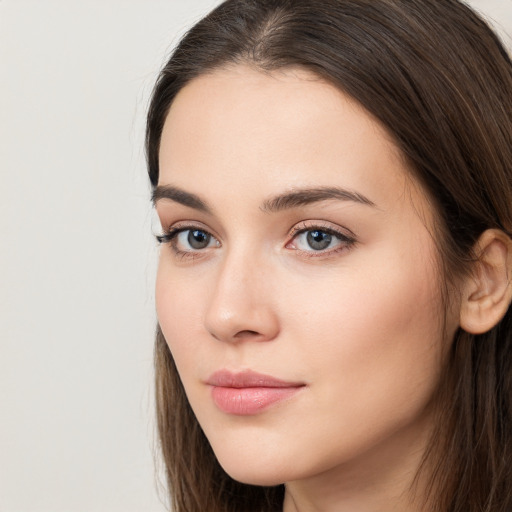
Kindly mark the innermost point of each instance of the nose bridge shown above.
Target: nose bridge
(240, 306)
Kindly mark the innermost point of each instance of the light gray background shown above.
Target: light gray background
(77, 257)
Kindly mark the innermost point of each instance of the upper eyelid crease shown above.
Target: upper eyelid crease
(322, 226)
(288, 200)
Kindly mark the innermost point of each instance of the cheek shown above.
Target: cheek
(373, 337)
(181, 302)
(177, 307)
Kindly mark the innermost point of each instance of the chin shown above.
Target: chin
(251, 476)
(254, 470)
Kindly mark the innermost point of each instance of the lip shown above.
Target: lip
(247, 393)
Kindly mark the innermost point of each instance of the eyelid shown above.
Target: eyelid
(171, 234)
(184, 225)
(322, 225)
(346, 237)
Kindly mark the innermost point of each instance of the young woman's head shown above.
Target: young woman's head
(334, 184)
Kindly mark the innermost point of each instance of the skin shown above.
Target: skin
(358, 324)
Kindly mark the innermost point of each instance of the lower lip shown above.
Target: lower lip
(249, 401)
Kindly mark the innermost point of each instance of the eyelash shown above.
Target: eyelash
(171, 234)
(346, 240)
(169, 237)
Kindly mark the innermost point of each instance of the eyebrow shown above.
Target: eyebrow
(179, 196)
(303, 197)
(288, 200)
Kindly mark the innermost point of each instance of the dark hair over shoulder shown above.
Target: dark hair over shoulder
(439, 80)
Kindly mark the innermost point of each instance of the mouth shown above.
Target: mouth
(247, 393)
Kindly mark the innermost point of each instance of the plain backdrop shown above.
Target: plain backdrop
(77, 256)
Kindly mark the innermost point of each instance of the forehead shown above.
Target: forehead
(264, 133)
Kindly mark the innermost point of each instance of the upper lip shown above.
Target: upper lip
(247, 379)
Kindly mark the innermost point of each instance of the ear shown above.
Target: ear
(487, 292)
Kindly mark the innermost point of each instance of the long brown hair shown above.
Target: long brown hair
(439, 80)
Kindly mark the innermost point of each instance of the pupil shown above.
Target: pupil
(319, 240)
(198, 239)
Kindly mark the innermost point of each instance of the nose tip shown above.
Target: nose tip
(241, 308)
(241, 323)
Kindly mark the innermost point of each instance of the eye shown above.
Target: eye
(320, 240)
(195, 239)
(316, 240)
(185, 240)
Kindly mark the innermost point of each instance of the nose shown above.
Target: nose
(240, 307)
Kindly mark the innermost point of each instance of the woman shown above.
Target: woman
(334, 184)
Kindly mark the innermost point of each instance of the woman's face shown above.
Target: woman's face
(298, 288)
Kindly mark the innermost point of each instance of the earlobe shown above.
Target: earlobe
(487, 292)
